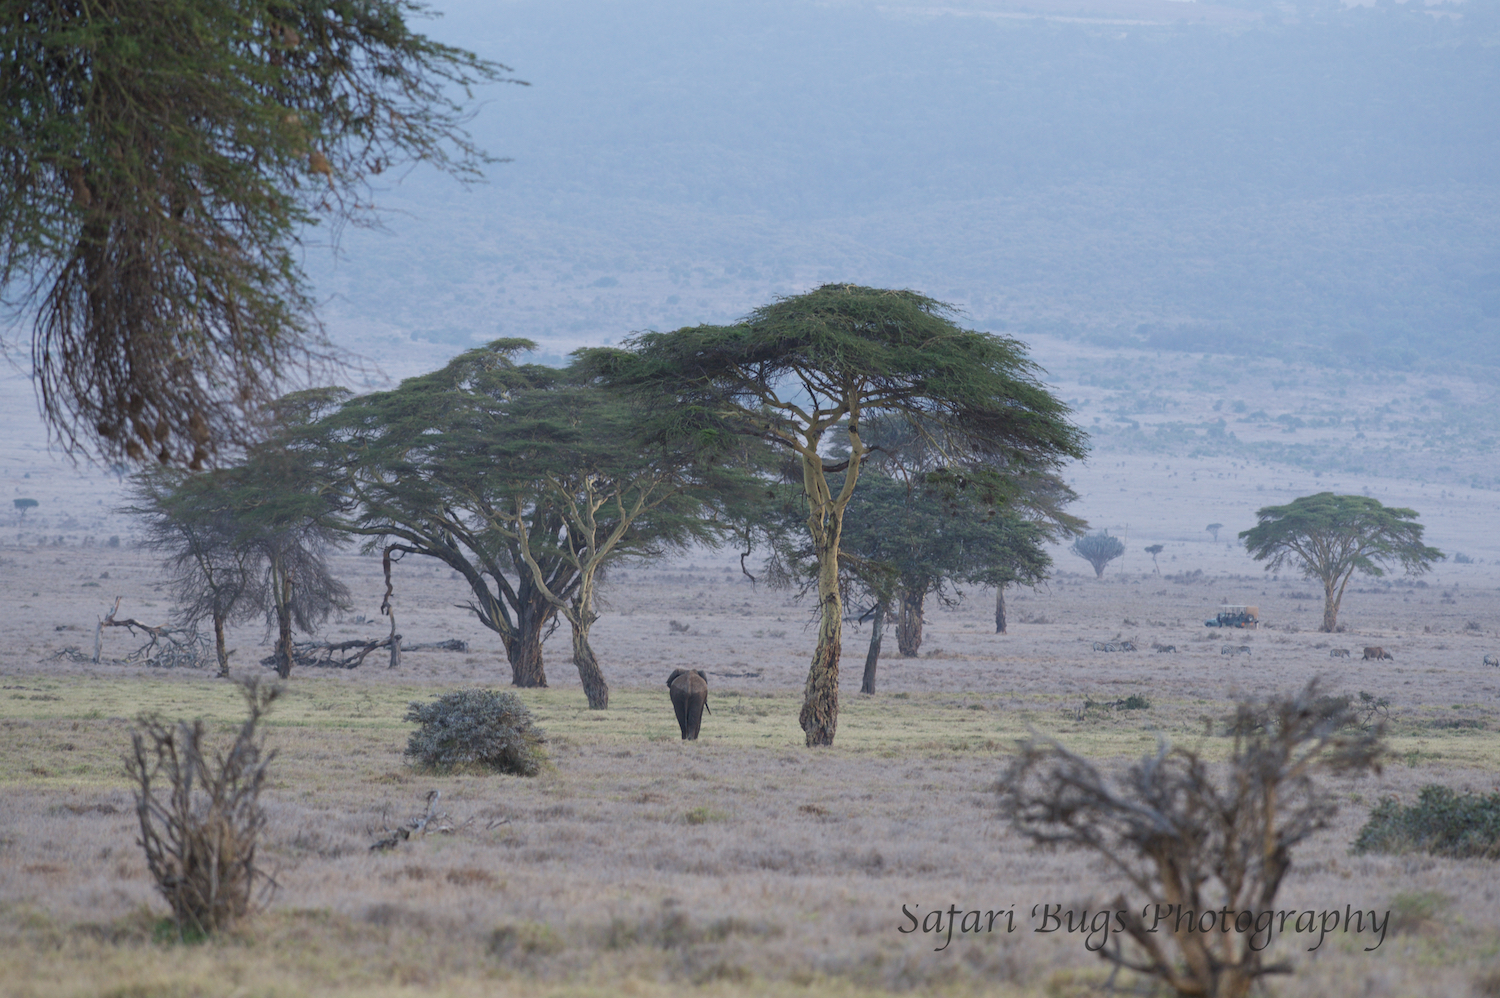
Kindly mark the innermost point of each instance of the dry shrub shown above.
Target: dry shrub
(475, 727)
(1198, 836)
(200, 815)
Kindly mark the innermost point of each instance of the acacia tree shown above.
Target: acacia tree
(210, 574)
(288, 531)
(1331, 537)
(906, 542)
(794, 369)
(1153, 550)
(159, 164)
(524, 480)
(1098, 550)
(250, 539)
(569, 445)
(409, 471)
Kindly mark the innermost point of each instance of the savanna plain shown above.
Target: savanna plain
(743, 863)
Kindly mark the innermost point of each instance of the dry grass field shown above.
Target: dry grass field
(743, 863)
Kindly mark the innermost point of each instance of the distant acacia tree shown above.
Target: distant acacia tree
(794, 369)
(1214, 528)
(1330, 537)
(1098, 550)
(250, 539)
(24, 506)
(159, 163)
(1153, 551)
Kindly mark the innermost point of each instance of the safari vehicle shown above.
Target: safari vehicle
(1235, 616)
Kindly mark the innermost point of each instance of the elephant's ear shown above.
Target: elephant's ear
(704, 676)
(673, 677)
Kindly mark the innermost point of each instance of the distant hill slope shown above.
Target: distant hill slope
(1317, 183)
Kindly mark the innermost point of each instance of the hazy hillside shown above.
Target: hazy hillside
(1304, 182)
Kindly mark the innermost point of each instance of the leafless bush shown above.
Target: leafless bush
(1189, 836)
(199, 829)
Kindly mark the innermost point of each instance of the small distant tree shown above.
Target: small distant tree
(1331, 537)
(1098, 550)
(1214, 528)
(1187, 834)
(23, 505)
(1153, 551)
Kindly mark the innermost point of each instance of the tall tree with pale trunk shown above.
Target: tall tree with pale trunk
(793, 370)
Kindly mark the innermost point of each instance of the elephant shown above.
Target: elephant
(689, 699)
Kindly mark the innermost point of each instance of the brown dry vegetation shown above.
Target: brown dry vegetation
(740, 864)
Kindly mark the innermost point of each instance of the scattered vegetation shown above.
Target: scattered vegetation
(1441, 822)
(475, 727)
(199, 830)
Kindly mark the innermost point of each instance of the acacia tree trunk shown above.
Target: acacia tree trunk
(877, 628)
(1333, 595)
(219, 642)
(523, 647)
(825, 527)
(581, 616)
(281, 592)
(589, 673)
(909, 622)
(820, 703)
(1000, 609)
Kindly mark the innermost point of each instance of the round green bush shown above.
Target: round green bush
(475, 727)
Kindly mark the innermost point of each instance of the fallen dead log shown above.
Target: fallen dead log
(452, 644)
(168, 646)
(432, 820)
(352, 654)
(338, 654)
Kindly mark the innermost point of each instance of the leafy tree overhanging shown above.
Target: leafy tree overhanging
(159, 164)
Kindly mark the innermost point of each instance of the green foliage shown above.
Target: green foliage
(1441, 822)
(475, 727)
(23, 505)
(1330, 537)
(1098, 550)
(158, 165)
(525, 480)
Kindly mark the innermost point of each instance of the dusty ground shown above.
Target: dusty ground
(744, 862)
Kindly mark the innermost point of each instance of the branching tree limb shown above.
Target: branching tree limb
(1190, 836)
